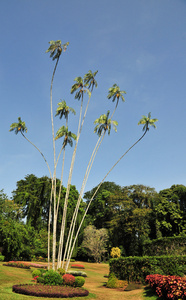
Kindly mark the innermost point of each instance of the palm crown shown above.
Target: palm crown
(56, 49)
(147, 121)
(104, 124)
(68, 136)
(89, 80)
(116, 93)
(18, 127)
(63, 110)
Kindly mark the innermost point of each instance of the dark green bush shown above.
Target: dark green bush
(79, 281)
(135, 269)
(40, 280)
(36, 273)
(52, 277)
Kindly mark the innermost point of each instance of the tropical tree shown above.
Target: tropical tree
(82, 86)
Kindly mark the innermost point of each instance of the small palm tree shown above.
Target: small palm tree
(89, 80)
(104, 124)
(115, 94)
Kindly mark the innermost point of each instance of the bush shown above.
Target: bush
(68, 279)
(40, 280)
(77, 273)
(79, 281)
(52, 277)
(61, 271)
(113, 282)
(115, 252)
(135, 269)
(36, 273)
(170, 287)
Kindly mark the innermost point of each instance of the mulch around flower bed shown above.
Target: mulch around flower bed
(40, 290)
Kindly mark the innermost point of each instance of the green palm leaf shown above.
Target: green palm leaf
(147, 121)
(104, 124)
(18, 127)
(56, 49)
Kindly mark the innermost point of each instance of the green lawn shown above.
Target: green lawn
(95, 283)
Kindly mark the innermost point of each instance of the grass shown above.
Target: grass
(94, 283)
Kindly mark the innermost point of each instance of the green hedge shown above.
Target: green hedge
(165, 246)
(135, 269)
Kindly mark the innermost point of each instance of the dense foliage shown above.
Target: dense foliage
(139, 221)
(170, 287)
(136, 269)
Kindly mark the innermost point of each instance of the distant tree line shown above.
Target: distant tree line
(131, 215)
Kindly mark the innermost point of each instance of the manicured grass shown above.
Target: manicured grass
(94, 283)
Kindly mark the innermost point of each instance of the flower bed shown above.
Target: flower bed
(40, 290)
(170, 287)
(77, 266)
(16, 265)
(19, 264)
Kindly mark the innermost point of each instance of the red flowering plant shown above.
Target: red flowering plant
(68, 279)
(78, 266)
(170, 287)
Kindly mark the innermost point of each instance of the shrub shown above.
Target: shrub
(79, 281)
(115, 252)
(68, 279)
(2, 257)
(113, 282)
(36, 273)
(52, 277)
(135, 269)
(77, 273)
(170, 287)
(61, 271)
(40, 280)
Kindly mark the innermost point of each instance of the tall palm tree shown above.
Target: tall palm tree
(79, 88)
(115, 94)
(104, 124)
(68, 139)
(146, 121)
(55, 49)
(21, 127)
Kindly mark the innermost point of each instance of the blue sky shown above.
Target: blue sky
(139, 45)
